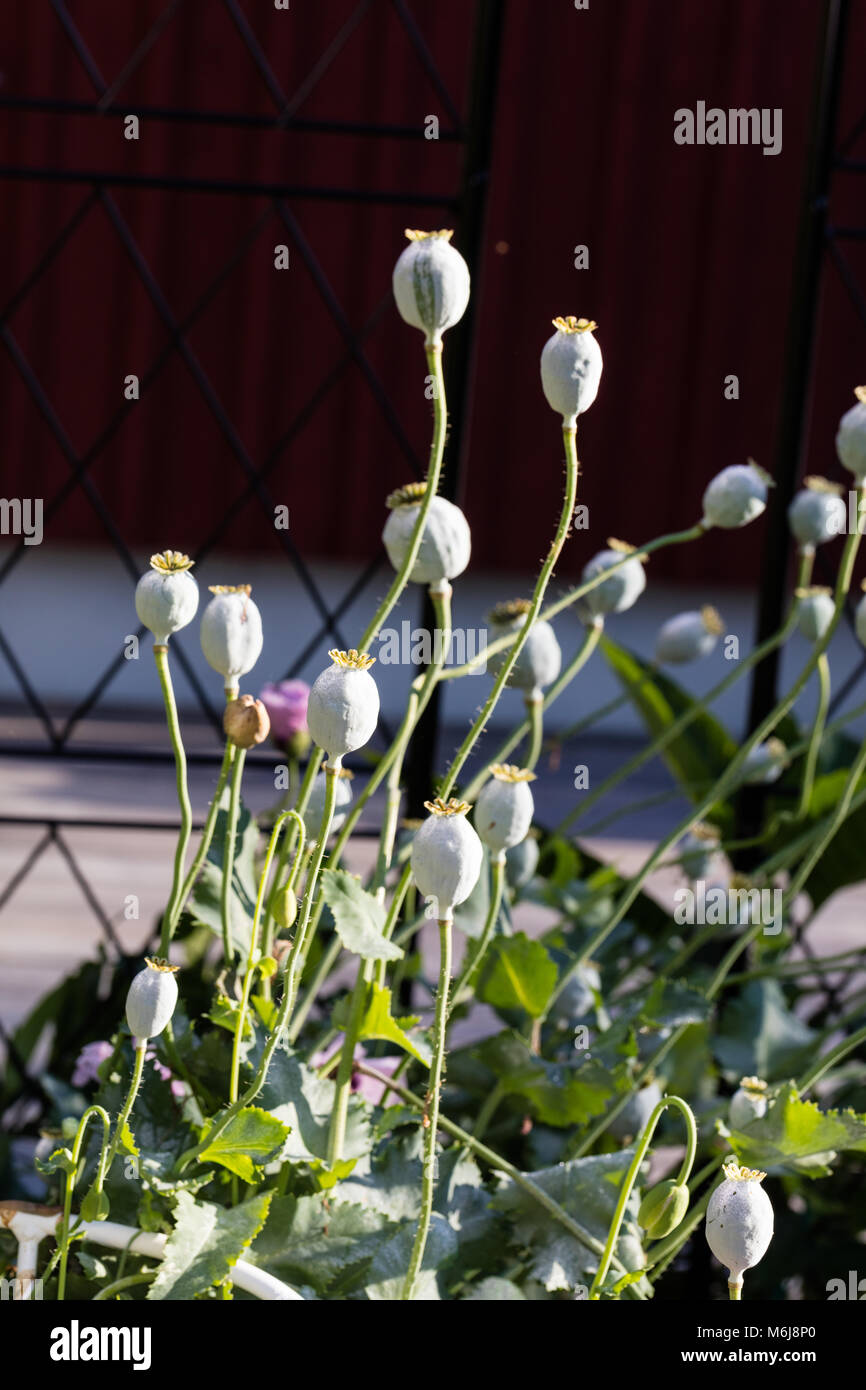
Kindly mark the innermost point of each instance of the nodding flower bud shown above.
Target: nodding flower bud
(446, 856)
(817, 513)
(688, 636)
(749, 1102)
(166, 598)
(736, 496)
(571, 368)
(739, 1222)
(316, 802)
(663, 1208)
(343, 708)
(231, 632)
(815, 612)
(851, 436)
(284, 906)
(765, 763)
(431, 284)
(504, 809)
(445, 540)
(696, 850)
(246, 721)
(540, 658)
(623, 588)
(151, 1000)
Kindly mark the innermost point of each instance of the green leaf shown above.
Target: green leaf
(314, 1240)
(379, 1023)
(205, 900)
(841, 862)
(671, 1003)
(251, 1138)
(388, 1269)
(558, 1093)
(518, 973)
(294, 1095)
(358, 916)
(494, 1290)
(702, 751)
(795, 1135)
(758, 1035)
(207, 1241)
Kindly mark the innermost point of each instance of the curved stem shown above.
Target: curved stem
(823, 1064)
(229, 853)
(472, 964)
(816, 735)
(169, 920)
(91, 1112)
(125, 1283)
(630, 1177)
(430, 1121)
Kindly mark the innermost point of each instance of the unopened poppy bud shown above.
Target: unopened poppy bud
(445, 540)
(231, 632)
(815, 612)
(663, 1208)
(571, 368)
(166, 598)
(95, 1206)
(343, 708)
(624, 586)
(284, 906)
(817, 513)
(736, 496)
(739, 1223)
(446, 856)
(688, 636)
(505, 807)
(851, 436)
(431, 284)
(246, 721)
(151, 1000)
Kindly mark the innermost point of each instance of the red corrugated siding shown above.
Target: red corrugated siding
(690, 263)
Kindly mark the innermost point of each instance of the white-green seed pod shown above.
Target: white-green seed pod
(540, 659)
(151, 1000)
(631, 1120)
(521, 862)
(736, 496)
(231, 632)
(851, 436)
(504, 809)
(817, 513)
(765, 763)
(688, 636)
(749, 1102)
(431, 284)
(860, 621)
(343, 708)
(445, 541)
(623, 588)
(578, 996)
(316, 803)
(697, 849)
(571, 368)
(816, 610)
(446, 856)
(166, 598)
(739, 1222)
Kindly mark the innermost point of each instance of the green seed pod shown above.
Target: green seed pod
(284, 906)
(571, 368)
(851, 437)
(815, 612)
(817, 513)
(736, 496)
(688, 636)
(445, 541)
(739, 1224)
(231, 632)
(663, 1208)
(343, 708)
(431, 284)
(151, 1000)
(540, 659)
(166, 598)
(504, 810)
(446, 856)
(623, 588)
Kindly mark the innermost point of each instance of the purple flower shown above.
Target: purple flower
(89, 1059)
(286, 703)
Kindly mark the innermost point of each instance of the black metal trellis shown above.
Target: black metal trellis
(464, 202)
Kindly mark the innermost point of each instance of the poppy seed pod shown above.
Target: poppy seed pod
(851, 436)
(231, 632)
(749, 1102)
(316, 802)
(571, 368)
(431, 284)
(151, 1000)
(166, 598)
(445, 541)
(446, 856)
(540, 658)
(246, 721)
(663, 1208)
(623, 588)
(688, 636)
(631, 1120)
(696, 850)
(343, 708)
(765, 763)
(736, 496)
(521, 862)
(739, 1222)
(817, 513)
(815, 612)
(504, 809)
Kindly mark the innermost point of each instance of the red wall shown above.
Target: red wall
(689, 279)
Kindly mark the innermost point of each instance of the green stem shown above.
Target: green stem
(207, 832)
(839, 814)
(472, 964)
(138, 1068)
(535, 711)
(816, 735)
(229, 854)
(823, 1064)
(431, 1111)
(91, 1112)
(172, 912)
(630, 1177)
(340, 1108)
(126, 1283)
